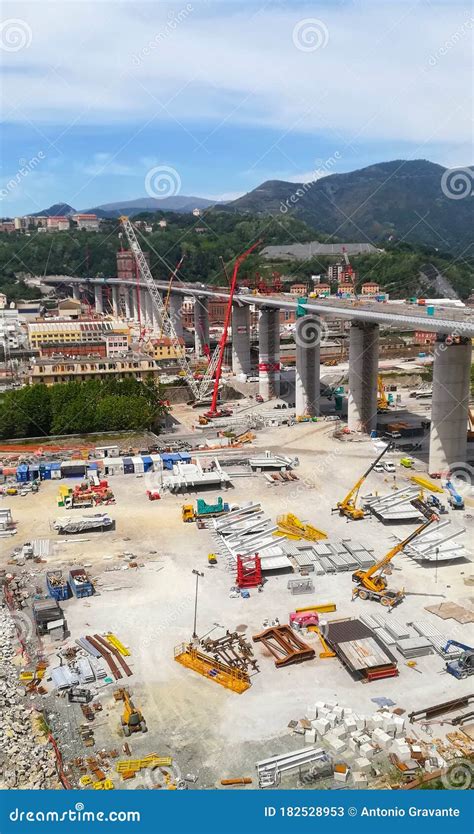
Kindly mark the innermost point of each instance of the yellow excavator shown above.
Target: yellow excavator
(132, 719)
(371, 583)
(348, 506)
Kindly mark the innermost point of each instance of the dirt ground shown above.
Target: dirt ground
(209, 730)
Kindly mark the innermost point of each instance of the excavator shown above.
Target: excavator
(348, 507)
(132, 719)
(371, 583)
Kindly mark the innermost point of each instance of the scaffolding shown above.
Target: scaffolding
(234, 679)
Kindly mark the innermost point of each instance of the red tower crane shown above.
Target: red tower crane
(213, 411)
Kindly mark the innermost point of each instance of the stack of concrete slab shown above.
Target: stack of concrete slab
(395, 507)
(414, 647)
(192, 476)
(248, 531)
(439, 543)
(330, 557)
(438, 640)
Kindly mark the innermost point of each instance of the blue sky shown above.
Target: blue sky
(225, 95)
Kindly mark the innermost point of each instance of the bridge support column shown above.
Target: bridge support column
(133, 304)
(363, 370)
(269, 353)
(115, 301)
(175, 312)
(450, 404)
(201, 326)
(241, 340)
(98, 298)
(76, 292)
(307, 385)
(126, 298)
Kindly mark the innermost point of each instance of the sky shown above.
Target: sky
(119, 99)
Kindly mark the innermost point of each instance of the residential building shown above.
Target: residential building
(12, 334)
(29, 309)
(69, 308)
(322, 289)
(74, 350)
(197, 212)
(163, 349)
(162, 224)
(424, 337)
(370, 288)
(3, 301)
(299, 289)
(7, 226)
(345, 288)
(51, 371)
(69, 331)
(57, 224)
(126, 265)
(117, 343)
(87, 222)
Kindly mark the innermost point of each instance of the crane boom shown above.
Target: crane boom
(222, 343)
(379, 566)
(347, 506)
(167, 324)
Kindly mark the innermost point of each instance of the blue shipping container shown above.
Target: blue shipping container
(147, 463)
(22, 473)
(128, 467)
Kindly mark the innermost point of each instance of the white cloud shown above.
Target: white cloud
(395, 72)
(104, 164)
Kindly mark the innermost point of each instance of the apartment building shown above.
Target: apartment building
(54, 370)
(79, 331)
(163, 349)
(57, 224)
(86, 222)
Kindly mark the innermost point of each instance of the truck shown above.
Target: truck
(463, 666)
(57, 585)
(204, 510)
(80, 584)
(454, 499)
(82, 524)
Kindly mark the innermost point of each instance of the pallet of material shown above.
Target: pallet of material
(452, 611)
(414, 647)
(385, 636)
(361, 650)
(437, 640)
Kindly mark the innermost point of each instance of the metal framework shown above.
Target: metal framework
(198, 390)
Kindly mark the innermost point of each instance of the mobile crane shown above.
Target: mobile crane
(382, 399)
(132, 719)
(371, 583)
(348, 507)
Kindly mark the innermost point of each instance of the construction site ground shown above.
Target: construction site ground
(207, 729)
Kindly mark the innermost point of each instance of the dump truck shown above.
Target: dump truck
(204, 510)
(57, 585)
(80, 584)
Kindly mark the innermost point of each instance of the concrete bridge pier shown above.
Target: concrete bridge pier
(115, 298)
(175, 312)
(241, 340)
(363, 370)
(307, 378)
(76, 292)
(269, 353)
(201, 326)
(98, 298)
(450, 403)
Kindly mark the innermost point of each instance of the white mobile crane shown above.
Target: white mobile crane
(199, 389)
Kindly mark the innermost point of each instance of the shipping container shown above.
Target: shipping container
(22, 473)
(147, 463)
(128, 468)
(73, 469)
(55, 469)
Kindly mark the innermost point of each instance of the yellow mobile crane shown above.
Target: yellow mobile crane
(382, 399)
(348, 507)
(371, 583)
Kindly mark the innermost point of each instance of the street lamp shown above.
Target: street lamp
(197, 574)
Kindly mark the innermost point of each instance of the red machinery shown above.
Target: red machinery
(153, 495)
(304, 618)
(213, 411)
(249, 571)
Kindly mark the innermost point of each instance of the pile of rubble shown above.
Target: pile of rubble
(25, 762)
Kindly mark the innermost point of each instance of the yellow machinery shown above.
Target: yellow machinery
(348, 506)
(371, 583)
(114, 641)
(290, 525)
(214, 670)
(132, 719)
(326, 651)
(187, 512)
(382, 399)
(425, 483)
